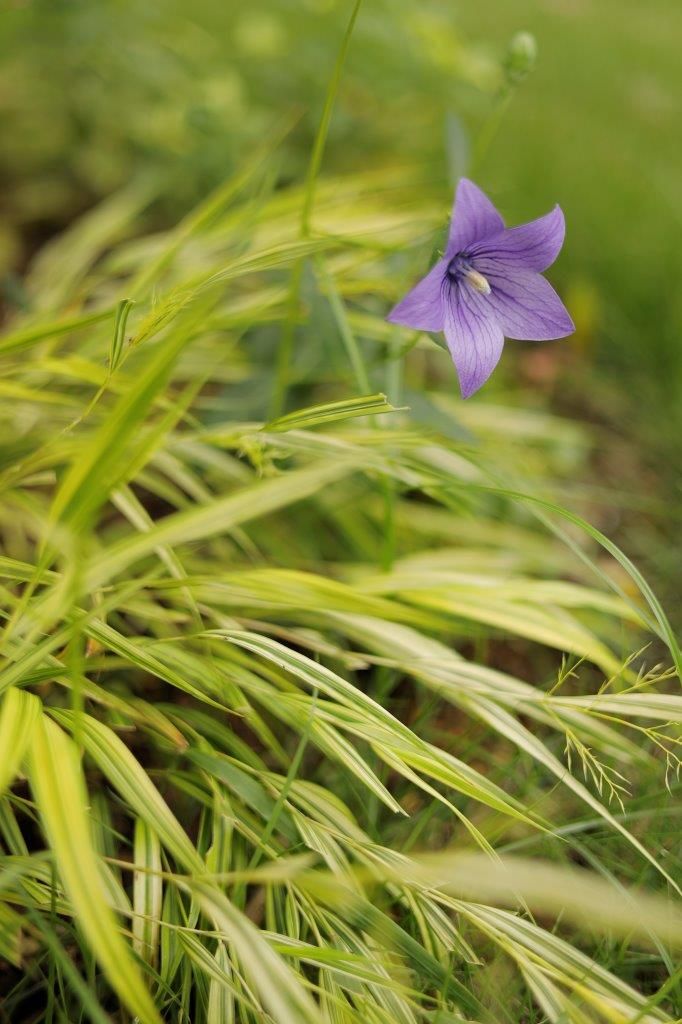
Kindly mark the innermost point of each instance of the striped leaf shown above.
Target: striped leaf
(62, 801)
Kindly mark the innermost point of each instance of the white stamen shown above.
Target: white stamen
(477, 281)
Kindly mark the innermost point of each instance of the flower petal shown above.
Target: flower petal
(473, 217)
(534, 246)
(422, 308)
(527, 307)
(474, 337)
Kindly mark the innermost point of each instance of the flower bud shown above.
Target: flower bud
(521, 56)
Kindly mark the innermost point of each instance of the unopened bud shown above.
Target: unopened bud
(521, 56)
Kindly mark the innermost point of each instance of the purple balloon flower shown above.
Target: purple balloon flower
(488, 286)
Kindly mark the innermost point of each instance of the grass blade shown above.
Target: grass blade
(59, 789)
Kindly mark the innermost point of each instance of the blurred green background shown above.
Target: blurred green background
(95, 96)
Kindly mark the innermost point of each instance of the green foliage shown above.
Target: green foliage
(597, 131)
(257, 672)
(88, 92)
(318, 702)
(168, 100)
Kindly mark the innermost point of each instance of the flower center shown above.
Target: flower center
(459, 268)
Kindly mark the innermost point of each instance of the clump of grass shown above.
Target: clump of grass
(284, 716)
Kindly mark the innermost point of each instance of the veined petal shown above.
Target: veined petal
(422, 308)
(473, 217)
(527, 307)
(474, 337)
(534, 246)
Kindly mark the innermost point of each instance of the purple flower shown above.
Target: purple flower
(488, 286)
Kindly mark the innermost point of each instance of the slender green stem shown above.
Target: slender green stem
(393, 386)
(297, 759)
(286, 345)
(518, 64)
(491, 126)
(394, 370)
(393, 376)
(388, 538)
(347, 336)
(325, 121)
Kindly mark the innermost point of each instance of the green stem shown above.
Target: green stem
(393, 388)
(491, 126)
(393, 376)
(347, 336)
(325, 121)
(286, 344)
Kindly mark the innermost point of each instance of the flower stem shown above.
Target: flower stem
(347, 336)
(518, 64)
(286, 343)
(393, 377)
(491, 126)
